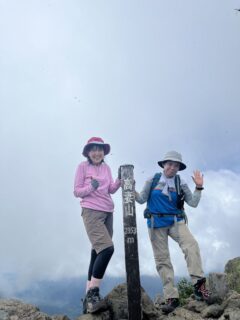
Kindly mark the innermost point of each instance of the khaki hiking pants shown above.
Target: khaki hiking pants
(159, 240)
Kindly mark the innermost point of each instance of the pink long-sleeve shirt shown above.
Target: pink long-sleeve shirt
(99, 199)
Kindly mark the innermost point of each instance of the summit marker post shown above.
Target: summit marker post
(131, 243)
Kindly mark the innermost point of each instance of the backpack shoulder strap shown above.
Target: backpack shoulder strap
(155, 181)
(178, 184)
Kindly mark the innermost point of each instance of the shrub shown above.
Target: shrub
(185, 289)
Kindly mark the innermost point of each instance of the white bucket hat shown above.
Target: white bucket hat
(173, 156)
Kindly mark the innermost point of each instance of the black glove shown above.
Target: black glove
(94, 183)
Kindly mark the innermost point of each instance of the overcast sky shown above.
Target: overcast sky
(147, 77)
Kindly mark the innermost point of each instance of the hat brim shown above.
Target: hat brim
(182, 165)
(106, 148)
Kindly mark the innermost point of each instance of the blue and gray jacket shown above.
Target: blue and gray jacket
(159, 203)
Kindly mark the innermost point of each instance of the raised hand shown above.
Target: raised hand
(198, 178)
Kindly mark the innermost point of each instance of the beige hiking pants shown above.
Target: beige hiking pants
(159, 240)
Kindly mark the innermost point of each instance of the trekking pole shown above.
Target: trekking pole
(131, 244)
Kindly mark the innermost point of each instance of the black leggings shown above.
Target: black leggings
(99, 262)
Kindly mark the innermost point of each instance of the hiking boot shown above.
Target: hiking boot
(171, 304)
(94, 303)
(200, 291)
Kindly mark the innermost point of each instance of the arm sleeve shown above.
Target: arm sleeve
(142, 197)
(79, 190)
(192, 199)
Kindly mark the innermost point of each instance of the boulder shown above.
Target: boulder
(218, 285)
(183, 314)
(232, 269)
(117, 299)
(16, 310)
(213, 311)
(231, 307)
(195, 306)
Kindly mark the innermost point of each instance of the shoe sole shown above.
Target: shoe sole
(100, 306)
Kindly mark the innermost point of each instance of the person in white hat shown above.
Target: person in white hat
(165, 194)
(94, 185)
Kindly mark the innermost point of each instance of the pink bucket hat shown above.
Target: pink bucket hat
(96, 141)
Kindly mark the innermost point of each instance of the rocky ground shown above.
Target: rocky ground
(18, 310)
(225, 304)
(227, 309)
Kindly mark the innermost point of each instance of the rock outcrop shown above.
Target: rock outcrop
(232, 269)
(18, 310)
(218, 285)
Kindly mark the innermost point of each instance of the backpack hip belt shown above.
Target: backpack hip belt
(148, 214)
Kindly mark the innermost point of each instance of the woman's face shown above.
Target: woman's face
(170, 168)
(96, 154)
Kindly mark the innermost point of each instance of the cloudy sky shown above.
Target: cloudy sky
(147, 77)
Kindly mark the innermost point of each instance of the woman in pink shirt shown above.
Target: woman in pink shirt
(94, 185)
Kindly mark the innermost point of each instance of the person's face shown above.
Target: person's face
(96, 154)
(170, 168)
